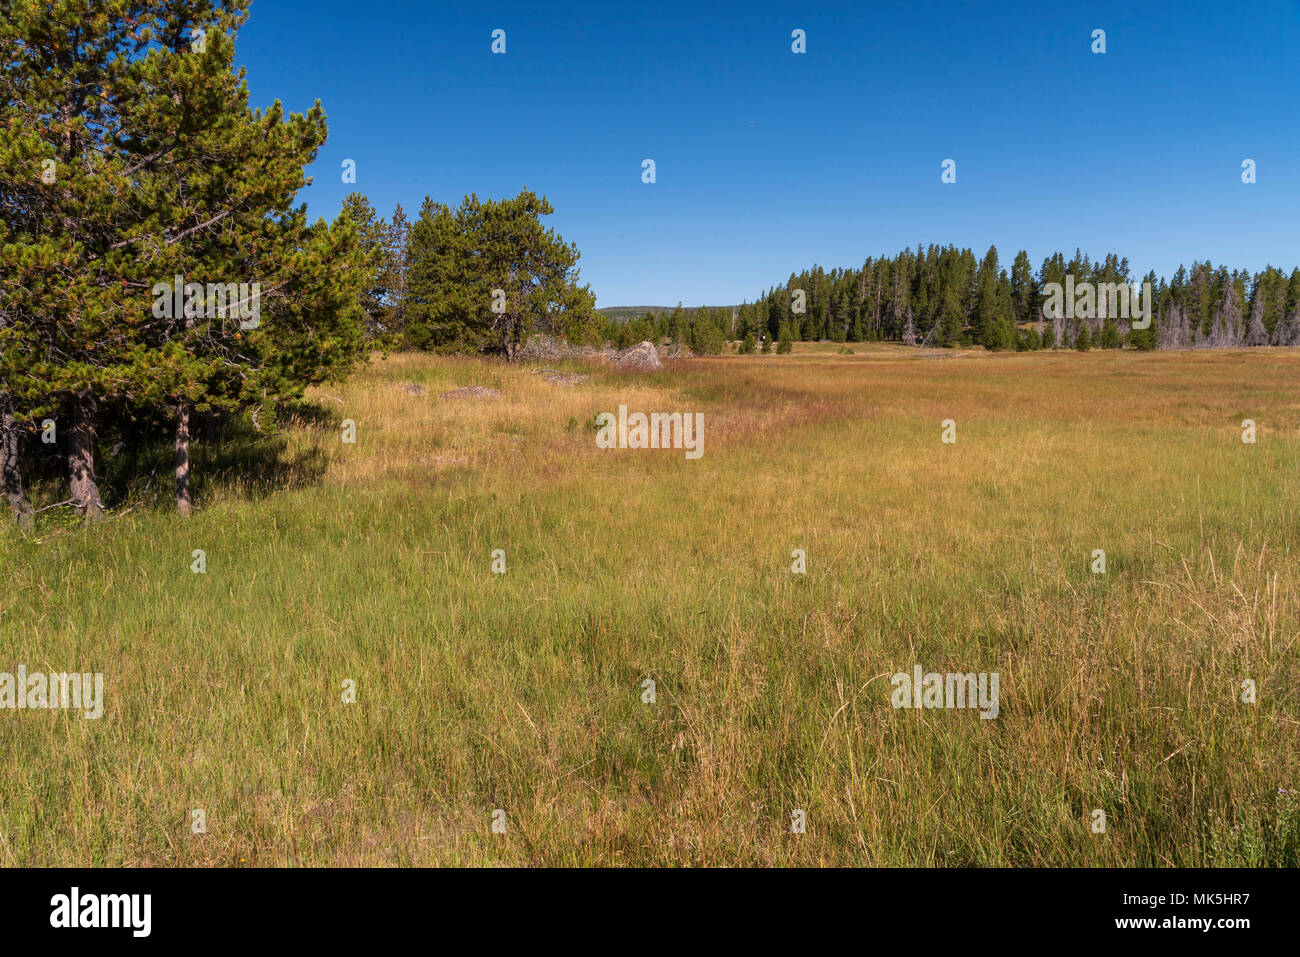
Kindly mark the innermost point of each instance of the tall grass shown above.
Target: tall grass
(523, 691)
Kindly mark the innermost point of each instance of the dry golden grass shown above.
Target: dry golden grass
(522, 691)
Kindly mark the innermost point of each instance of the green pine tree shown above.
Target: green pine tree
(486, 275)
(160, 170)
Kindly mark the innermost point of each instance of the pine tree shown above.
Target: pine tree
(399, 230)
(440, 300)
(485, 275)
(678, 325)
(373, 235)
(987, 305)
(168, 180)
(68, 289)
(1023, 292)
(1083, 338)
(217, 208)
(706, 336)
(951, 319)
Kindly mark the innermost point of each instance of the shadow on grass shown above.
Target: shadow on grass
(136, 457)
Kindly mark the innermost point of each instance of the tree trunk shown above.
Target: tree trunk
(510, 328)
(183, 503)
(12, 478)
(81, 462)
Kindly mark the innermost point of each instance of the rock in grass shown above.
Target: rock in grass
(556, 377)
(643, 356)
(471, 392)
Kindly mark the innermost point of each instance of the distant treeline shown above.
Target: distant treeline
(429, 296)
(944, 296)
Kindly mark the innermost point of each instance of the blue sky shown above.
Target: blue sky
(768, 161)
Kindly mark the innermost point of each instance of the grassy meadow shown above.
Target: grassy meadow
(522, 691)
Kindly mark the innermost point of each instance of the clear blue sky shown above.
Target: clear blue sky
(768, 161)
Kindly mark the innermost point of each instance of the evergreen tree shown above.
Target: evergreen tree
(162, 177)
(1083, 338)
(1023, 292)
(951, 320)
(678, 326)
(373, 238)
(987, 311)
(440, 295)
(706, 335)
(484, 276)
(943, 295)
(398, 241)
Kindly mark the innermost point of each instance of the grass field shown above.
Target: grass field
(522, 691)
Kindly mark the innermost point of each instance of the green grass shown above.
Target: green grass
(523, 691)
